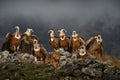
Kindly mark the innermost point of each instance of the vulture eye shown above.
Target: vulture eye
(82, 47)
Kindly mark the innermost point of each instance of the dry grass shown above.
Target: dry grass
(113, 60)
(116, 62)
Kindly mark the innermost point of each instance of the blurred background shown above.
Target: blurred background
(87, 17)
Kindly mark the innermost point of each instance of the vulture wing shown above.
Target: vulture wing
(82, 40)
(8, 36)
(6, 44)
(89, 42)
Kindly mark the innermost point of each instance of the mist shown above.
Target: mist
(88, 18)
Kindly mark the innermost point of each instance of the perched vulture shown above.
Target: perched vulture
(27, 42)
(39, 51)
(76, 41)
(64, 41)
(94, 45)
(53, 41)
(82, 52)
(6, 44)
(13, 41)
(53, 58)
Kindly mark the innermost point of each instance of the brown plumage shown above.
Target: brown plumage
(76, 41)
(94, 45)
(14, 44)
(13, 41)
(64, 41)
(6, 44)
(27, 42)
(53, 41)
(82, 52)
(53, 59)
(39, 52)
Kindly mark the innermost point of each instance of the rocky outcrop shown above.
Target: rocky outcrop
(5, 56)
(22, 66)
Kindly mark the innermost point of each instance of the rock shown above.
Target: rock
(68, 71)
(5, 66)
(63, 58)
(62, 52)
(5, 54)
(89, 72)
(111, 77)
(87, 68)
(7, 79)
(117, 72)
(110, 70)
(62, 63)
(77, 72)
(68, 78)
(74, 57)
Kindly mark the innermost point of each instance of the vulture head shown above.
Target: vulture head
(33, 39)
(82, 50)
(98, 39)
(74, 35)
(62, 34)
(36, 46)
(29, 31)
(17, 28)
(17, 34)
(52, 34)
(8, 36)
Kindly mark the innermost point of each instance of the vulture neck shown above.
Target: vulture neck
(17, 34)
(63, 37)
(36, 47)
(82, 53)
(75, 36)
(28, 33)
(99, 41)
(52, 38)
(52, 34)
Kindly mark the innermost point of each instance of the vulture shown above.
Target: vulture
(54, 40)
(64, 41)
(76, 41)
(27, 42)
(82, 51)
(6, 44)
(39, 51)
(94, 45)
(12, 42)
(53, 58)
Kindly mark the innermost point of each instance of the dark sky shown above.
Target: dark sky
(87, 17)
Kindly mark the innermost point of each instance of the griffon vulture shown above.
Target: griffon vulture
(76, 41)
(64, 41)
(94, 45)
(53, 41)
(12, 41)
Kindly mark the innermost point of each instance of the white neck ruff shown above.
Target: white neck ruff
(27, 33)
(62, 38)
(52, 39)
(37, 49)
(82, 54)
(17, 36)
(74, 39)
(74, 36)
